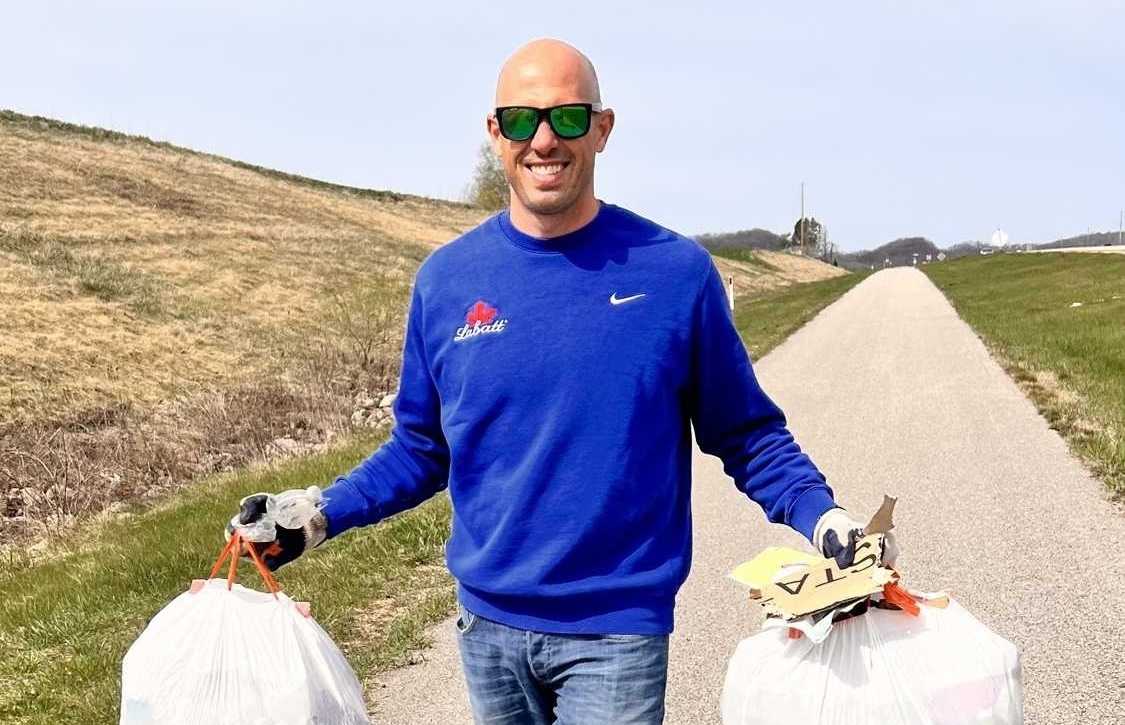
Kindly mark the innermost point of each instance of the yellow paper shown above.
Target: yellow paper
(792, 584)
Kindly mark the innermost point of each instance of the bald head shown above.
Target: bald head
(547, 72)
(551, 177)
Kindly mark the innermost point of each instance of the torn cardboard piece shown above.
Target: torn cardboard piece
(791, 584)
(803, 588)
(759, 571)
(881, 522)
(816, 629)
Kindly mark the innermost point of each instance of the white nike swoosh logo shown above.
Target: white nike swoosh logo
(615, 300)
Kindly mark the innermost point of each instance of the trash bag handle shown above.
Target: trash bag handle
(896, 595)
(233, 549)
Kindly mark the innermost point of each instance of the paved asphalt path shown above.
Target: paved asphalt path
(890, 391)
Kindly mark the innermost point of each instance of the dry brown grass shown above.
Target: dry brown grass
(773, 270)
(168, 313)
(136, 272)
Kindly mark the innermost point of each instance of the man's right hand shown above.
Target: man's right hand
(288, 543)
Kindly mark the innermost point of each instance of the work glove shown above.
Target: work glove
(256, 525)
(836, 535)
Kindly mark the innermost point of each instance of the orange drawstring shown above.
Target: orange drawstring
(233, 549)
(896, 595)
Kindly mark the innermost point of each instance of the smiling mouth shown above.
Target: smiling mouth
(546, 170)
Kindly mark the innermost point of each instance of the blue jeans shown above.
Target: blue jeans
(517, 677)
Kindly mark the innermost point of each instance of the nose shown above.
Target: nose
(544, 141)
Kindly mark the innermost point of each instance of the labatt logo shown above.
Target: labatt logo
(480, 320)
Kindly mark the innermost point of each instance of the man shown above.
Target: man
(556, 358)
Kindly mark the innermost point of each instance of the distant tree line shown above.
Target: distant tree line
(896, 253)
(745, 239)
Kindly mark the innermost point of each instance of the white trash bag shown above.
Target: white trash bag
(942, 667)
(222, 654)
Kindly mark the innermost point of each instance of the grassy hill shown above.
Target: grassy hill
(1057, 324)
(758, 272)
(169, 313)
(134, 271)
(900, 252)
(1095, 239)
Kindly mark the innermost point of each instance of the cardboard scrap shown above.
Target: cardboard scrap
(803, 588)
(791, 584)
(881, 522)
(815, 628)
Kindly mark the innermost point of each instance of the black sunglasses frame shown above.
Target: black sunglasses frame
(541, 113)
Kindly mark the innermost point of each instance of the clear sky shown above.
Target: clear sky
(940, 118)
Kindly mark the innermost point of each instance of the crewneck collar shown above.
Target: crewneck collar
(555, 245)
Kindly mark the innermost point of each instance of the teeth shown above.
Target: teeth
(545, 169)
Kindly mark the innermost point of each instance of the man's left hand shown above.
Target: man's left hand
(837, 533)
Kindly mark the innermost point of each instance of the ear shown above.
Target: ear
(603, 123)
(493, 128)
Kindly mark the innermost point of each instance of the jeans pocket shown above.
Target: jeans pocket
(465, 619)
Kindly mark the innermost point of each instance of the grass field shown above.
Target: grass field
(69, 612)
(765, 320)
(1057, 324)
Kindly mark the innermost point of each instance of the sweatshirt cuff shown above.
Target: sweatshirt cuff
(808, 508)
(345, 508)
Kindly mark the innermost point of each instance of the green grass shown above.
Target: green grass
(766, 320)
(66, 621)
(1070, 360)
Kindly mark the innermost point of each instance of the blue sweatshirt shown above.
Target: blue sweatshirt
(552, 385)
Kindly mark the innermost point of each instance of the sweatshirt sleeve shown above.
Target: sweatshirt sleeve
(735, 420)
(413, 464)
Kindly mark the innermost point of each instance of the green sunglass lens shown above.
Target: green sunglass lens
(518, 124)
(570, 121)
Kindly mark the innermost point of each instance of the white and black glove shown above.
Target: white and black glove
(287, 543)
(837, 533)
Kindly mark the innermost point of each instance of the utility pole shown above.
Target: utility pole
(802, 217)
(1120, 219)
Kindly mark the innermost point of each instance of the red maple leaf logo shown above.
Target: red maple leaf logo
(481, 312)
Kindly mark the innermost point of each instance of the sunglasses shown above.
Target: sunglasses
(568, 121)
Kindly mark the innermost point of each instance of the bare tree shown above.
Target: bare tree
(489, 187)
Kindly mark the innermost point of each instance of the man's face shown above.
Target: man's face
(548, 174)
